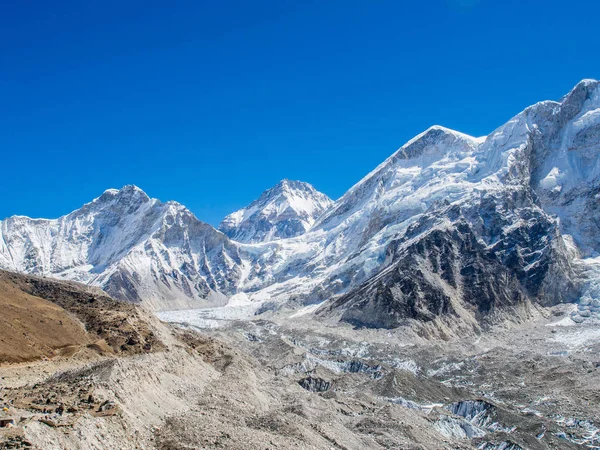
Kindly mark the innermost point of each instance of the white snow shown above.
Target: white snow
(552, 180)
(576, 338)
(126, 240)
(306, 310)
(286, 210)
(207, 317)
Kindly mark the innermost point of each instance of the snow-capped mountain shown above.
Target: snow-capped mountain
(522, 199)
(452, 225)
(132, 246)
(286, 210)
(449, 228)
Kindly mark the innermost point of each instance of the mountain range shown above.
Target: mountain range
(450, 229)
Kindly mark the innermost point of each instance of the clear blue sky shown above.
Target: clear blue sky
(210, 103)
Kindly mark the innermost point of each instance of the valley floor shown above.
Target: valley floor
(291, 383)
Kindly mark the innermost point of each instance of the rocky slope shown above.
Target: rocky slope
(521, 386)
(95, 368)
(44, 318)
(296, 384)
(449, 225)
(286, 210)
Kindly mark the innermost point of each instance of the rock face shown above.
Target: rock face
(471, 229)
(443, 273)
(449, 264)
(286, 210)
(314, 384)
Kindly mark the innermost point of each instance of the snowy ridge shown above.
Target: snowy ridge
(412, 240)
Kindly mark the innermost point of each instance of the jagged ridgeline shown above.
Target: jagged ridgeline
(449, 226)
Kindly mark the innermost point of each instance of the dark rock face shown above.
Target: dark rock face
(423, 280)
(527, 241)
(469, 409)
(473, 261)
(315, 384)
(503, 445)
(356, 366)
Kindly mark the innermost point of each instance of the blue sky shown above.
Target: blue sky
(210, 103)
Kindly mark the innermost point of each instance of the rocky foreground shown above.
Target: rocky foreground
(292, 383)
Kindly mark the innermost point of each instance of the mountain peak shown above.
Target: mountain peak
(127, 194)
(287, 209)
(440, 128)
(586, 83)
(127, 190)
(576, 99)
(287, 187)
